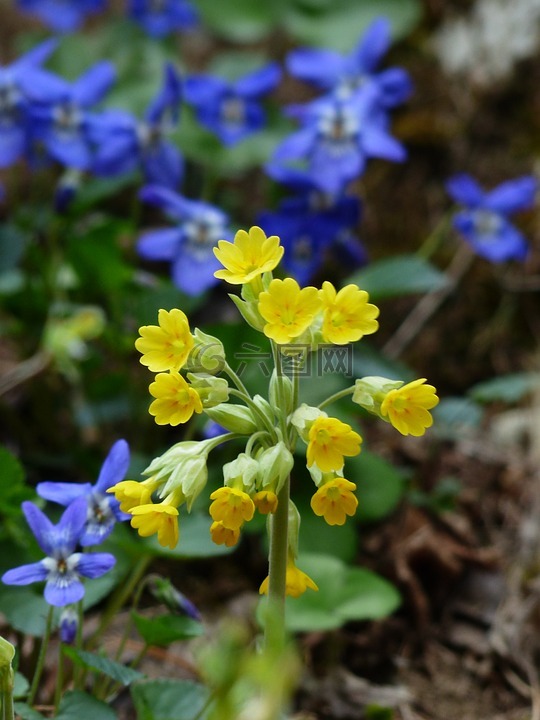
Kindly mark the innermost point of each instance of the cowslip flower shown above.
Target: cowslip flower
(250, 255)
(175, 400)
(62, 126)
(189, 245)
(165, 346)
(160, 518)
(296, 581)
(335, 500)
(343, 74)
(337, 137)
(288, 309)
(231, 110)
(131, 493)
(347, 314)
(62, 15)
(266, 501)
(103, 511)
(484, 222)
(63, 568)
(232, 507)
(162, 17)
(330, 440)
(222, 535)
(125, 143)
(407, 408)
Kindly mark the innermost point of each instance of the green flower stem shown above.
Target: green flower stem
(336, 396)
(256, 437)
(41, 658)
(281, 392)
(59, 676)
(79, 673)
(236, 379)
(257, 412)
(274, 631)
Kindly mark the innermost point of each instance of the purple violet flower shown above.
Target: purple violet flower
(61, 15)
(189, 246)
(161, 17)
(231, 110)
(63, 568)
(103, 510)
(484, 221)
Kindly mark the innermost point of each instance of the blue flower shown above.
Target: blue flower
(20, 81)
(484, 223)
(337, 138)
(102, 508)
(63, 567)
(189, 245)
(62, 126)
(313, 227)
(69, 623)
(231, 110)
(161, 17)
(124, 143)
(61, 15)
(345, 74)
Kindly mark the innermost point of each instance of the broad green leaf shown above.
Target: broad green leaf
(169, 700)
(400, 275)
(25, 712)
(455, 417)
(317, 536)
(506, 388)
(340, 24)
(165, 629)
(25, 609)
(21, 686)
(76, 705)
(367, 360)
(12, 246)
(241, 21)
(98, 663)
(345, 594)
(379, 485)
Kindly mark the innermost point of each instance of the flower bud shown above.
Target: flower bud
(69, 622)
(233, 417)
(369, 392)
(266, 409)
(7, 653)
(304, 417)
(187, 480)
(249, 311)
(207, 354)
(280, 392)
(211, 390)
(164, 591)
(294, 529)
(275, 464)
(241, 473)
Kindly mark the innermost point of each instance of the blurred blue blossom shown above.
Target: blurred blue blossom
(62, 125)
(345, 74)
(337, 137)
(20, 81)
(231, 110)
(313, 226)
(124, 142)
(162, 17)
(63, 567)
(484, 222)
(61, 15)
(189, 246)
(103, 510)
(69, 623)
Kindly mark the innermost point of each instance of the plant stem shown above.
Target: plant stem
(336, 396)
(59, 677)
(236, 379)
(274, 631)
(41, 657)
(256, 411)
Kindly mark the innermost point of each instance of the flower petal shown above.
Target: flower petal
(115, 467)
(26, 574)
(93, 565)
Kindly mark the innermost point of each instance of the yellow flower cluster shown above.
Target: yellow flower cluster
(186, 383)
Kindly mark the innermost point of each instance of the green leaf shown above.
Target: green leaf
(21, 686)
(12, 246)
(456, 417)
(399, 275)
(317, 536)
(165, 629)
(506, 388)
(98, 663)
(25, 712)
(345, 594)
(169, 699)
(76, 705)
(25, 609)
(339, 24)
(380, 486)
(367, 360)
(241, 21)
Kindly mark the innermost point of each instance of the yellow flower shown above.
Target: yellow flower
(296, 582)
(287, 309)
(329, 441)
(250, 255)
(231, 507)
(161, 518)
(130, 493)
(266, 501)
(175, 400)
(167, 346)
(222, 535)
(335, 500)
(347, 314)
(407, 407)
